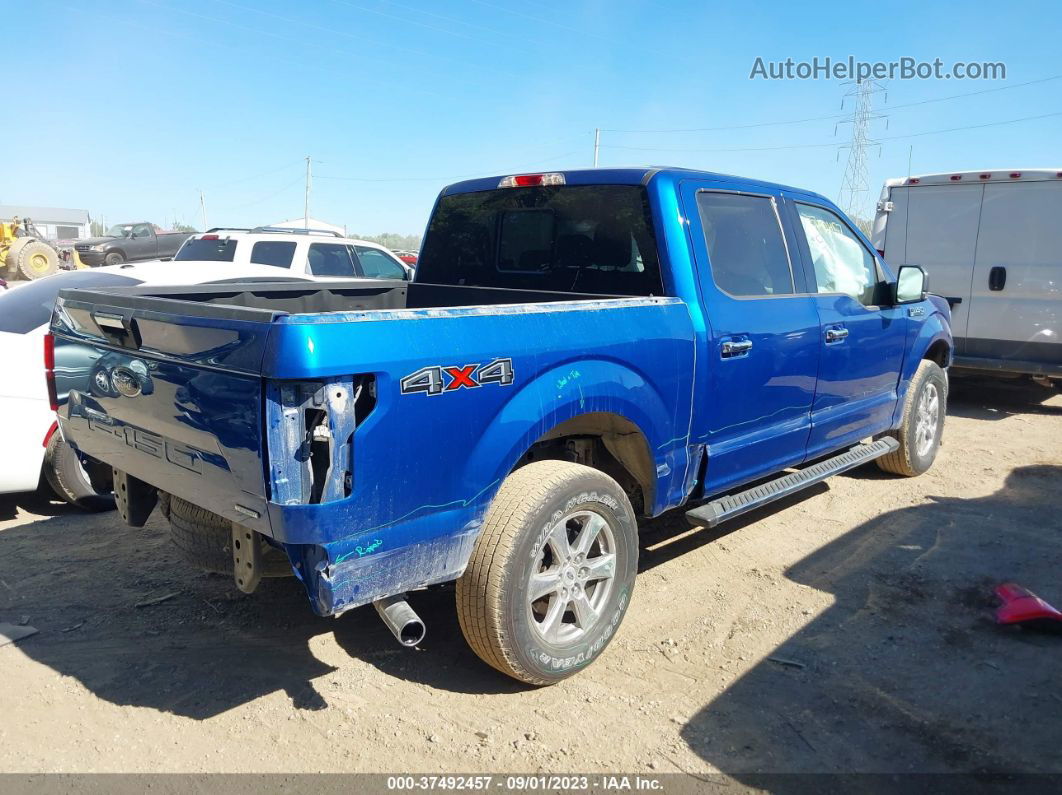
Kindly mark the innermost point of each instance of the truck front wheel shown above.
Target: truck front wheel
(552, 572)
(923, 422)
(114, 258)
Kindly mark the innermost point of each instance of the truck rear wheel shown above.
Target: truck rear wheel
(552, 572)
(205, 541)
(923, 422)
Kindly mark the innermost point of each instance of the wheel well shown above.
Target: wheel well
(605, 441)
(939, 352)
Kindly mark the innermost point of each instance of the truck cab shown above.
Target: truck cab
(577, 350)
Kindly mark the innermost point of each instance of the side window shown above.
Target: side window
(746, 249)
(376, 264)
(273, 252)
(142, 230)
(332, 259)
(842, 263)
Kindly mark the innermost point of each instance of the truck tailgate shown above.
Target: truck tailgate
(171, 398)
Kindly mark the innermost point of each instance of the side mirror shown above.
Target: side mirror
(911, 285)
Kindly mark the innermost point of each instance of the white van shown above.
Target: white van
(991, 242)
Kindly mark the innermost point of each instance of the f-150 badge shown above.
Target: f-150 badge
(438, 379)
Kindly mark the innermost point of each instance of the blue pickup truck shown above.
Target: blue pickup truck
(577, 351)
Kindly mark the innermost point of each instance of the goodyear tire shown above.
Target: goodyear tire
(205, 540)
(552, 572)
(69, 478)
(35, 260)
(922, 426)
(114, 258)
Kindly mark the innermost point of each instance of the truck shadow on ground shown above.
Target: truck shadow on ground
(982, 398)
(907, 671)
(78, 578)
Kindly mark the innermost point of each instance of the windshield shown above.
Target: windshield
(25, 308)
(580, 238)
(209, 249)
(120, 230)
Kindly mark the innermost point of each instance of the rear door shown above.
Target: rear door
(861, 338)
(1016, 301)
(763, 351)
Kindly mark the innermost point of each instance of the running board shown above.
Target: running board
(712, 513)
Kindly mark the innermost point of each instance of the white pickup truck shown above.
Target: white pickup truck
(306, 253)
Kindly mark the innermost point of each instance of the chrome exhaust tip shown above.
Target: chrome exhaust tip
(399, 617)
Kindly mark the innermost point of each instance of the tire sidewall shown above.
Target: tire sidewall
(930, 375)
(544, 660)
(69, 479)
(113, 258)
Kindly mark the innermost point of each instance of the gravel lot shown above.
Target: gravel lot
(848, 630)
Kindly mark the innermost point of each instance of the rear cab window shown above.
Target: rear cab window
(568, 238)
(207, 249)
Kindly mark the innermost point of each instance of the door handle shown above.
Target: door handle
(997, 278)
(837, 334)
(733, 348)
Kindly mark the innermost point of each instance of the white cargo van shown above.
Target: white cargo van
(991, 242)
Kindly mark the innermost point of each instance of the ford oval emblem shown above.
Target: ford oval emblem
(125, 382)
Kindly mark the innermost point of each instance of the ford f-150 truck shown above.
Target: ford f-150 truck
(578, 350)
(129, 243)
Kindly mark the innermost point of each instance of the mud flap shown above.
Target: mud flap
(246, 558)
(135, 498)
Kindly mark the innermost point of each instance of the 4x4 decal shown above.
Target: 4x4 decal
(437, 379)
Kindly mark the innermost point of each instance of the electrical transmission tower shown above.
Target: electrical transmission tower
(854, 184)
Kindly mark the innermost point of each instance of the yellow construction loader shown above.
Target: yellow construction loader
(25, 254)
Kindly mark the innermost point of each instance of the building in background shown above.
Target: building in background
(312, 223)
(55, 223)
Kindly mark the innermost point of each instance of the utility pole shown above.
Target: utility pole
(306, 204)
(597, 143)
(202, 207)
(854, 184)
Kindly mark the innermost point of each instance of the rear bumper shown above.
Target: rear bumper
(344, 555)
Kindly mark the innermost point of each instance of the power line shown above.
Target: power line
(832, 144)
(479, 173)
(833, 116)
(855, 182)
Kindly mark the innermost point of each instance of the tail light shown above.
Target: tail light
(531, 180)
(49, 371)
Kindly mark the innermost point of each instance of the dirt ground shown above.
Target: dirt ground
(848, 630)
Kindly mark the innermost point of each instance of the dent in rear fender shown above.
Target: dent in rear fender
(586, 386)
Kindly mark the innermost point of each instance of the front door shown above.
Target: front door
(861, 337)
(762, 352)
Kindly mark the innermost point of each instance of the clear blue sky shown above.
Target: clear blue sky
(128, 107)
